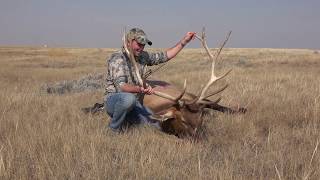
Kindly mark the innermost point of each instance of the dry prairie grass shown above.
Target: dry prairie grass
(46, 136)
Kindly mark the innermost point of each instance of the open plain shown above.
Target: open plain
(45, 135)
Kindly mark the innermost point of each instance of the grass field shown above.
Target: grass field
(46, 136)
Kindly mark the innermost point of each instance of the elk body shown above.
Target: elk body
(183, 117)
(180, 113)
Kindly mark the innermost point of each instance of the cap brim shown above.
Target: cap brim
(143, 40)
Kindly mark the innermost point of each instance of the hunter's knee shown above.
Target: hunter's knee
(128, 101)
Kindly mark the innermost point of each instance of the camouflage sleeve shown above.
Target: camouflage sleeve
(151, 59)
(117, 72)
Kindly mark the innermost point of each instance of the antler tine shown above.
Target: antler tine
(213, 77)
(183, 91)
(216, 92)
(142, 83)
(211, 102)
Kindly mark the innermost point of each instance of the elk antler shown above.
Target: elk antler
(150, 72)
(141, 82)
(213, 77)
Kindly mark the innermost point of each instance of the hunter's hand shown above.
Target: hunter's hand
(188, 37)
(148, 90)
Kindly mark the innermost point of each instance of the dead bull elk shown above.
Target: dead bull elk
(181, 113)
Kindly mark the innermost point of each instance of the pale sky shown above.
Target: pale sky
(99, 23)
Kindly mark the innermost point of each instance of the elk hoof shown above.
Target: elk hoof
(96, 108)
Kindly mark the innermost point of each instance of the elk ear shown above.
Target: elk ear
(164, 115)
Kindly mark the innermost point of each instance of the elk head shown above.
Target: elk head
(183, 116)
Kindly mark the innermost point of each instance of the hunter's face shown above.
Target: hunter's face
(137, 47)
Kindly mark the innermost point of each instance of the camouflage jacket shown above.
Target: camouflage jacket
(120, 70)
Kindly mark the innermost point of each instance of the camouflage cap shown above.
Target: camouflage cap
(138, 35)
